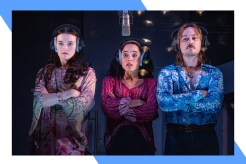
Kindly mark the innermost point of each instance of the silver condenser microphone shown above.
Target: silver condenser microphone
(125, 23)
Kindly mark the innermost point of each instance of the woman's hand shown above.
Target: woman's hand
(136, 103)
(74, 93)
(78, 83)
(42, 89)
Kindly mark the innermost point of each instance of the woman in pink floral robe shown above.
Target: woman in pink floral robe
(64, 94)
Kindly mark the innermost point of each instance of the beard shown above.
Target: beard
(190, 53)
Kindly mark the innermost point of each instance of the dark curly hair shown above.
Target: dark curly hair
(75, 66)
(146, 70)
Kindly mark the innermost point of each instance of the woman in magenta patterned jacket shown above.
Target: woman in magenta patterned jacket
(64, 94)
(129, 101)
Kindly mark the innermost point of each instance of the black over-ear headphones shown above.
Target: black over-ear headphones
(69, 29)
(144, 50)
(205, 41)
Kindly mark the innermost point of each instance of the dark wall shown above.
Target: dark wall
(31, 35)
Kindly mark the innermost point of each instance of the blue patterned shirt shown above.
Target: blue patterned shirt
(181, 104)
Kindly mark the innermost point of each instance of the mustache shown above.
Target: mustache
(190, 46)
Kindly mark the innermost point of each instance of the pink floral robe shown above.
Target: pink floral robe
(58, 130)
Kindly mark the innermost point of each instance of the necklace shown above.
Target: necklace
(190, 74)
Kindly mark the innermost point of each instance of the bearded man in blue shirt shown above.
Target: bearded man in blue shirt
(190, 93)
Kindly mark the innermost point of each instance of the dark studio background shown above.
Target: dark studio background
(31, 35)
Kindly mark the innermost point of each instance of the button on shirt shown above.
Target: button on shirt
(181, 104)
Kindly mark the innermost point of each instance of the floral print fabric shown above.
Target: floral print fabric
(181, 104)
(59, 129)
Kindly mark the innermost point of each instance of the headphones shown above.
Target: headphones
(205, 42)
(69, 29)
(144, 50)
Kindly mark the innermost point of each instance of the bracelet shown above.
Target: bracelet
(59, 96)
